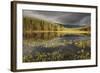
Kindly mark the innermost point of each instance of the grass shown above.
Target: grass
(57, 54)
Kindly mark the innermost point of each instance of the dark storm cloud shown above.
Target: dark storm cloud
(60, 17)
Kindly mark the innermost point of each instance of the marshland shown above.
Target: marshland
(45, 39)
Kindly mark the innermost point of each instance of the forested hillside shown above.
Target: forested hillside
(35, 24)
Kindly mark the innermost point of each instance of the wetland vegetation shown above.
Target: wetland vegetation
(48, 41)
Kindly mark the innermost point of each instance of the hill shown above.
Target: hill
(35, 24)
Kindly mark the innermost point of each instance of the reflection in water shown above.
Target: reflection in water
(42, 35)
(51, 35)
(54, 46)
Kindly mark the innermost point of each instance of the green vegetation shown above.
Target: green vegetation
(83, 51)
(54, 56)
(57, 56)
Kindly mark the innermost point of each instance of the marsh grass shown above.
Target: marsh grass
(57, 52)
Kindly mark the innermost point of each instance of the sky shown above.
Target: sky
(66, 18)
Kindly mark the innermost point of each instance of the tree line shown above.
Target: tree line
(35, 24)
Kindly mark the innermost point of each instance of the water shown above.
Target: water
(54, 46)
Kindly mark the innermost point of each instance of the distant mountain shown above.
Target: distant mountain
(72, 26)
(85, 28)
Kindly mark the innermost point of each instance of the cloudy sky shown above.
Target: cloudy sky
(67, 18)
